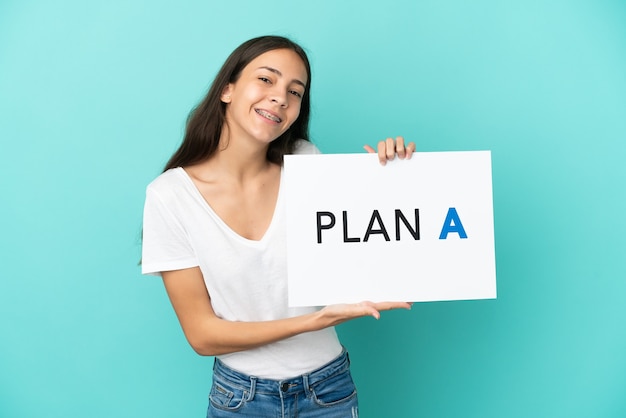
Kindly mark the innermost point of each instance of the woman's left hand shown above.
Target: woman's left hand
(389, 148)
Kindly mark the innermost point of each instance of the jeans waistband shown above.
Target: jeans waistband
(281, 387)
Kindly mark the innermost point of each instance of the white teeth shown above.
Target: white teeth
(268, 115)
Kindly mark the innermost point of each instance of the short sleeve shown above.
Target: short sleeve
(165, 242)
(305, 147)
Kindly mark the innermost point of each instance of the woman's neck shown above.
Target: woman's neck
(239, 160)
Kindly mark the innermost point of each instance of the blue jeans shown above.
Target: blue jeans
(327, 392)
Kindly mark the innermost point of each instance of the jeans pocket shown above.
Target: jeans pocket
(228, 398)
(334, 390)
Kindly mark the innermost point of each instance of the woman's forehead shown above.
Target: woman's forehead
(284, 62)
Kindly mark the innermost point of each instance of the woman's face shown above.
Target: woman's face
(265, 101)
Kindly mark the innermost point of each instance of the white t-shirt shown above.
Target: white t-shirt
(246, 279)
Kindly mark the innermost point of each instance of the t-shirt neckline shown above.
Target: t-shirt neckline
(268, 232)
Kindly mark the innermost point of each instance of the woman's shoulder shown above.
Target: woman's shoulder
(302, 146)
(168, 181)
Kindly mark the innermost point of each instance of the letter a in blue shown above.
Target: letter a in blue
(452, 224)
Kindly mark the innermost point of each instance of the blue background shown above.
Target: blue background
(93, 100)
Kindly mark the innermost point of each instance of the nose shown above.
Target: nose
(279, 97)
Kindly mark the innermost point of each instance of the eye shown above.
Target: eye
(265, 80)
(296, 93)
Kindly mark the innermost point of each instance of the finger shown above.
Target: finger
(369, 308)
(390, 149)
(387, 306)
(369, 149)
(400, 150)
(382, 152)
(410, 149)
(369, 312)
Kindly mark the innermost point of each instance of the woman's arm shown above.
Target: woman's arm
(210, 335)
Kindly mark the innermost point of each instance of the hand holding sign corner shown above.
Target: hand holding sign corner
(388, 149)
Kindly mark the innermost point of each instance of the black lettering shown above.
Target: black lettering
(414, 232)
(382, 230)
(321, 226)
(345, 229)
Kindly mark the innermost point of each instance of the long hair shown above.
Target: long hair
(205, 122)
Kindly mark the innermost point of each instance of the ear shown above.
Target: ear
(225, 97)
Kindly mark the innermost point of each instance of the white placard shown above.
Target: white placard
(413, 230)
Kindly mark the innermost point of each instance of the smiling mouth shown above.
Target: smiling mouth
(268, 115)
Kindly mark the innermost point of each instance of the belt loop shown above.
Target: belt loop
(305, 385)
(253, 380)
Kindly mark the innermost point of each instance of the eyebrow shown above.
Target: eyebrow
(277, 72)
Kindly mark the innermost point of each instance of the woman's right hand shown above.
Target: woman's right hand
(339, 313)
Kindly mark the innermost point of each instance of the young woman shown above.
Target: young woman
(214, 229)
